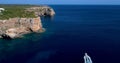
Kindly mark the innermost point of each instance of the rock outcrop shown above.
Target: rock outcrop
(42, 11)
(15, 27)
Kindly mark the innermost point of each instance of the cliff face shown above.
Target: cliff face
(42, 11)
(15, 27)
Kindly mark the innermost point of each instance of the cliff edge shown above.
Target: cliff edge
(18, 26)
(41, 11)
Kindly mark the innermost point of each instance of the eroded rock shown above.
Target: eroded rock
(15, 27)
(42, 11)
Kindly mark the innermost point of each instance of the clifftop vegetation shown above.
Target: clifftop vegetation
(12, 11)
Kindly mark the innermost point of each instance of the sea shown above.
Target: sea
(72, 32)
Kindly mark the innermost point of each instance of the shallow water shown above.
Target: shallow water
(73, 31)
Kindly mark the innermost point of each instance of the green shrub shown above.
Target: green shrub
(16, 11)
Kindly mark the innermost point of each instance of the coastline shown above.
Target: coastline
(16, 27)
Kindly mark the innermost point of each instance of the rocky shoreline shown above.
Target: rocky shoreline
(16, 27)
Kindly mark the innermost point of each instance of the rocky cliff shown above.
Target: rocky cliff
(15, 27)
(42, 11)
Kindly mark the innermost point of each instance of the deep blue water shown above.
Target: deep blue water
(74, 30)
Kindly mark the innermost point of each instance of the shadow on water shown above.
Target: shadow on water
(20, 50)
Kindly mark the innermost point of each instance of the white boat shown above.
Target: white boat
(87, 59)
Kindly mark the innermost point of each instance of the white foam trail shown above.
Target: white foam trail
(87, 59)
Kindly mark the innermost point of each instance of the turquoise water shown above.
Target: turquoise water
(73, 31)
